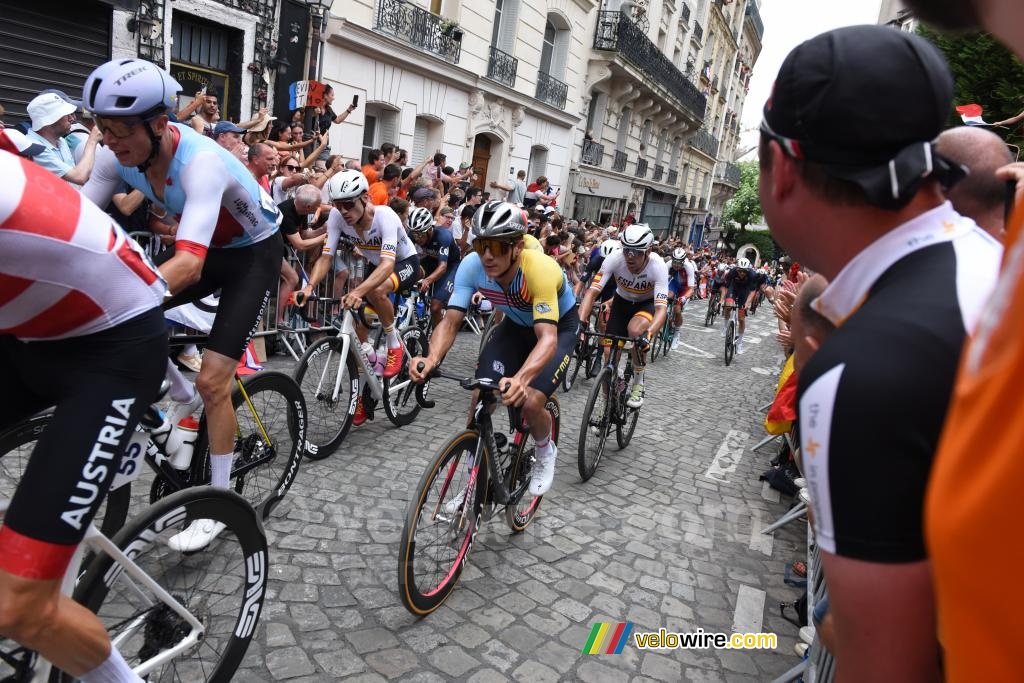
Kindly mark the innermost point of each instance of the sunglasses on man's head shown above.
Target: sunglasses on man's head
(497, 247)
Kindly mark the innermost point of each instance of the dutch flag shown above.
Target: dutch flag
(971, 115)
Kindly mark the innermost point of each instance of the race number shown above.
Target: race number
(131, 461)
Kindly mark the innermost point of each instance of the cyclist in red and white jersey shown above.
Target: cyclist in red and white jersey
(227, 237)
(80, 329)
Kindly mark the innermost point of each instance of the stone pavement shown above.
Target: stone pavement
(664, 535)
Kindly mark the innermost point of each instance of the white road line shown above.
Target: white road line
(768, 493)
(761, 371)
(749, 614)
(728, 457)
(693, 351)
(759, 541)
(752, 340)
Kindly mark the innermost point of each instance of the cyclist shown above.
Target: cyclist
(378, 233)
(531, 348)
(738, 290)
(81, 329)
(440, 260)
(641, 295)
(227, 237)
(682, 277)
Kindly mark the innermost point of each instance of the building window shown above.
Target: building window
(624, 124)
(538, 163)
(426, 138)
(506, 18)
(381, 126)
(555, 49)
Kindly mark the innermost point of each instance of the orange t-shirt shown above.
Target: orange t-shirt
(371, 174)
(379, 194)
(975, 501)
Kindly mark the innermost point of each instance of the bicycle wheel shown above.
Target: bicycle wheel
(524, 505)
(578, 360)
(399, 391)
(594, 357)
(709, 317)
(16, 445)
(439, 527)
(223, 586)
(268, 443)
(625, 423)
(597, 416)
(330, 418)
(729, 344)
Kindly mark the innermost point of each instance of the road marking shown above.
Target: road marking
(768, 493)
(753, 340)
(761, 371)
(749, 614)
(693, 351)
(728, 457)
(759, 541)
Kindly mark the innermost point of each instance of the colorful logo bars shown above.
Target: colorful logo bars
(607, 638)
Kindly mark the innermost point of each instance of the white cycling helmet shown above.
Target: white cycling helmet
(637, 236)
(743, 263)
(130, 87)
(420, 219)
(678, 254)
(499, 220)
(608, 246)
(349, 184)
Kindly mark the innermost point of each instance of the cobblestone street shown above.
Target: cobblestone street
(665, 535)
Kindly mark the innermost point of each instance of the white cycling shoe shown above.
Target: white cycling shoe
(543, 472)
(455, 504)
(199, 534)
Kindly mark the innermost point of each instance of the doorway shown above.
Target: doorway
(481, 159)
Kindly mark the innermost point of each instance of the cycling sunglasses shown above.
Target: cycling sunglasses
(345, 204)
(635, 253)
(497, 247)
(119, 127)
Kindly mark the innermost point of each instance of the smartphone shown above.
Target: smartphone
(203, 91)
(355, 101)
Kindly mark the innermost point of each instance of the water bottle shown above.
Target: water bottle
(382, 355)
(419, 307)
(182, 441)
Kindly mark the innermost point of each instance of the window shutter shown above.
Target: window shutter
(509, 22)
(560, 54)
(388, 128)
(624, 122)
(419, 140)
(600, 112)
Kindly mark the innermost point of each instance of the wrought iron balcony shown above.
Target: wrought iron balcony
(698, 32)
(616, 32)
(730, 175)
(685, 16)
(704, 141)
(551, 90)
(619, 163)
(659, 173)
(755, 19)
(502, 67)
(593, 153)
(673, 177)
(418, 28)
(641, 168)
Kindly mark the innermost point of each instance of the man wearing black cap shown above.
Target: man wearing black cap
(852, 187)
(974, 504)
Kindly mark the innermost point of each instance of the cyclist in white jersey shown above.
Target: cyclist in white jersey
(80, 330)
(381, 237)
(227, 236)
(639, 307)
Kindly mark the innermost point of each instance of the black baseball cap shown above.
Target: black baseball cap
(866, 104)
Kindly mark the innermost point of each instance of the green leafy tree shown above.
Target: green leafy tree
(984, 73)
(745, 207)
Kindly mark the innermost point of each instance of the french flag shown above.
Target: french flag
(971, 115)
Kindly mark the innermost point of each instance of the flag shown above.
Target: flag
(971, 115)
(780, 417)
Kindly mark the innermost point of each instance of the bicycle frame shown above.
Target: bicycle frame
(97, 542)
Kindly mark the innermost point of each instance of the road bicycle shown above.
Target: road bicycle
(173, 616)
(732, 333)
(334, 370)
(606, 406)
(586, 355)
(270, 412)
(662, 342)
(479, 470)
(758, 299)
(714, 308)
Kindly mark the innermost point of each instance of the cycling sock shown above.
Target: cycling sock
(544, 445)
(113, 670)
(638, 377)
(220, 469)
(392, 337)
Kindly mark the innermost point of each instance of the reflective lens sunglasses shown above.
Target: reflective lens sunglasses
(497, 247)
(635, 253)
(119, 127)
(345, 204)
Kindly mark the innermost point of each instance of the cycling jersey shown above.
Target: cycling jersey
(386, 238)
(739, 289)
(213, 196)
(681, 280)
(650, 283)
(68, 269)
(440, 247)
(539, 292)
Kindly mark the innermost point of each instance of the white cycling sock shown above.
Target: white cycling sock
(392, 337)
(544, 445)
(220, 470)
(638, 377)
(113, 670)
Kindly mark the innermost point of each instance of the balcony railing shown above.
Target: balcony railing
(593, 153)
(730, 175)
(685, 16)
(551, 90)
(641, 168)
(619, 163)
(698, 32)
(755, 18)
(704, 141)
(673, 177)
(502, 67)
(616, 32)
(659, 173)
(418, 28)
